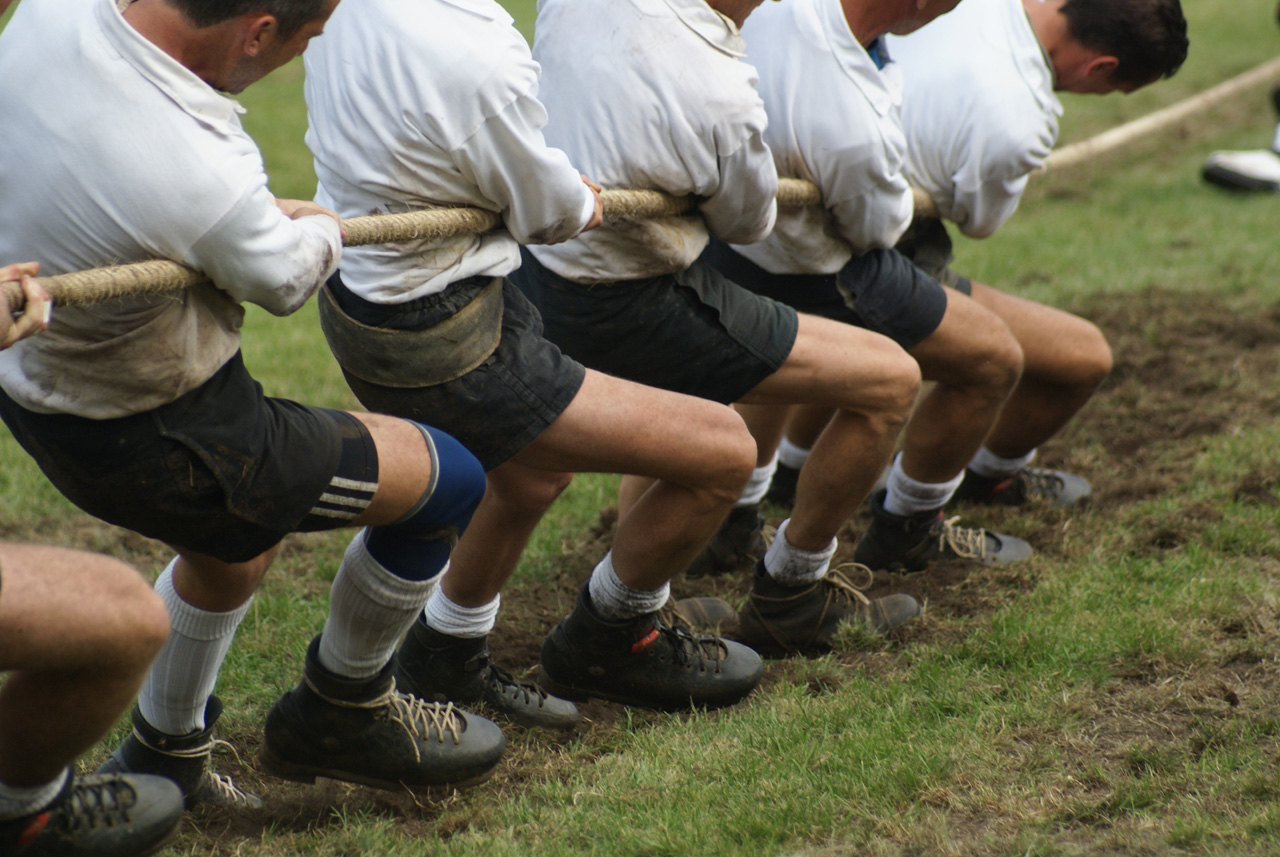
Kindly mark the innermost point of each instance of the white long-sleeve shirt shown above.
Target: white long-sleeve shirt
(435, 102)
(834, 121)
(116, 153)
(979, 111)
(654, 94)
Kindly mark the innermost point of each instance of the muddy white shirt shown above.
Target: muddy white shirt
(833, 120)
(435, 102)
(116, 153)
(654, 94)
(979, 110)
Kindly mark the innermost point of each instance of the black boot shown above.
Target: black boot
(782, 489)
(735, 544)
(440, 668)
(182, 758)
(911, 542)
(365, 731)
(643, 662)
(780, 619)
(101, 815)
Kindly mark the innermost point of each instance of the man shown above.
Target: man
(141, 412)
(837, 262)
(433, 329)
(654, 93)
(77, 633)
(978, 123)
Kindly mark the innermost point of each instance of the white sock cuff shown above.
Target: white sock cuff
(380, 585)
(613, 599)
(988, 464)
(191, 621)
(449, 617)
(906, 496)
(788, 564)
(758, 485)
(791, 455)
(17, 801)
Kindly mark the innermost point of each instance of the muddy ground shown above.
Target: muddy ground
(1187, 368)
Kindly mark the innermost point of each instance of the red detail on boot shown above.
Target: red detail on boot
(640, 645)
(35, 828)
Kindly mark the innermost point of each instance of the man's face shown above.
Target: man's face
(273, 52)
(915, 17)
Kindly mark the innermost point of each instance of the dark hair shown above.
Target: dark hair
(1148, 37)
(290, 15)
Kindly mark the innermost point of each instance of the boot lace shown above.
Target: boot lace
(100, 801)
(417, 717)
(1039, 483)
(506, 682)
(965, 542)
(837, 579)
(690, 646)
(214, 787)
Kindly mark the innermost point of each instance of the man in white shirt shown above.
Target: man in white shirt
(981, 114)
(433, 328)
(654, 94)
(141, 412)
(77, 633)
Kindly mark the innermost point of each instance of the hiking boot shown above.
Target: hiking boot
(783, 619)
(1028, 485)
(705, 613)
(782, 490)
(738, 541)
(440, 668)
(100, 815)
(644, 662)
(911, 542)
(184, 759)
(365, 731)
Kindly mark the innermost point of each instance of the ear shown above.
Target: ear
(259, 30)
(1100, 67)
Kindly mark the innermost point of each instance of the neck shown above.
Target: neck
(735, 10)
(202, 50)
(1048, 23)
(870, 19)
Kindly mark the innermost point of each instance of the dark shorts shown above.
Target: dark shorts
(927, 244)
(879, 291)
(693, 332)
(496, 409)
(222, 470)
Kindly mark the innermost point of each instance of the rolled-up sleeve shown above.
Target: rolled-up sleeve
(744, 207)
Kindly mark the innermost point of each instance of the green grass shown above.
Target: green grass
(1079, 713)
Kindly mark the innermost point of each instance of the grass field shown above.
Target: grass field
(1117, 694)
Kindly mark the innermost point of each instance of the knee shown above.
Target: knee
(904, 385)
(735, 459)
(998, 367)
(141, 623)
(533, 492)
(1095, 359)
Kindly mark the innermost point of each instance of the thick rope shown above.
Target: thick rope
(437, 224)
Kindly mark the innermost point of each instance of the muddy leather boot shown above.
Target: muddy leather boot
(780, 619)
(100, 815)
(365, 731)
(736, 543)
(184, 759)
(645, 663)
(1030, 484)
(911, 542)
(440, 668)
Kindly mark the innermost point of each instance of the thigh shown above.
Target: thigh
(972, 342)
(1053, 341)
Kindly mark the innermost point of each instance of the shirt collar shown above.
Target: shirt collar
(1034, 67)
(717, 30)
(175, 80)
(881, 87)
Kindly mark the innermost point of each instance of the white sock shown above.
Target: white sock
(791, 455)
(988, 464)
(758, 485)
(449, 617)
(614, 600)
(370, 609)
(791, 566)
(181, 679)
(15, 801)
(906, 496)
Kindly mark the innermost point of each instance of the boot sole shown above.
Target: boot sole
(582, 694)
(307, 774)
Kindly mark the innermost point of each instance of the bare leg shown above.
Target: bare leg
(873, 384)
(698, 452)
(805, 424)
(976, 362)
(79, 631)
(766, 423)
(1066, 358)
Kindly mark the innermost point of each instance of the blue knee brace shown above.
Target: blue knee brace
(417, 546)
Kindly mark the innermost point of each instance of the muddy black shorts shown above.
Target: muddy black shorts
(927, 244)
(879, 291)
(496, 409)
(222, 471)
(693, 332)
